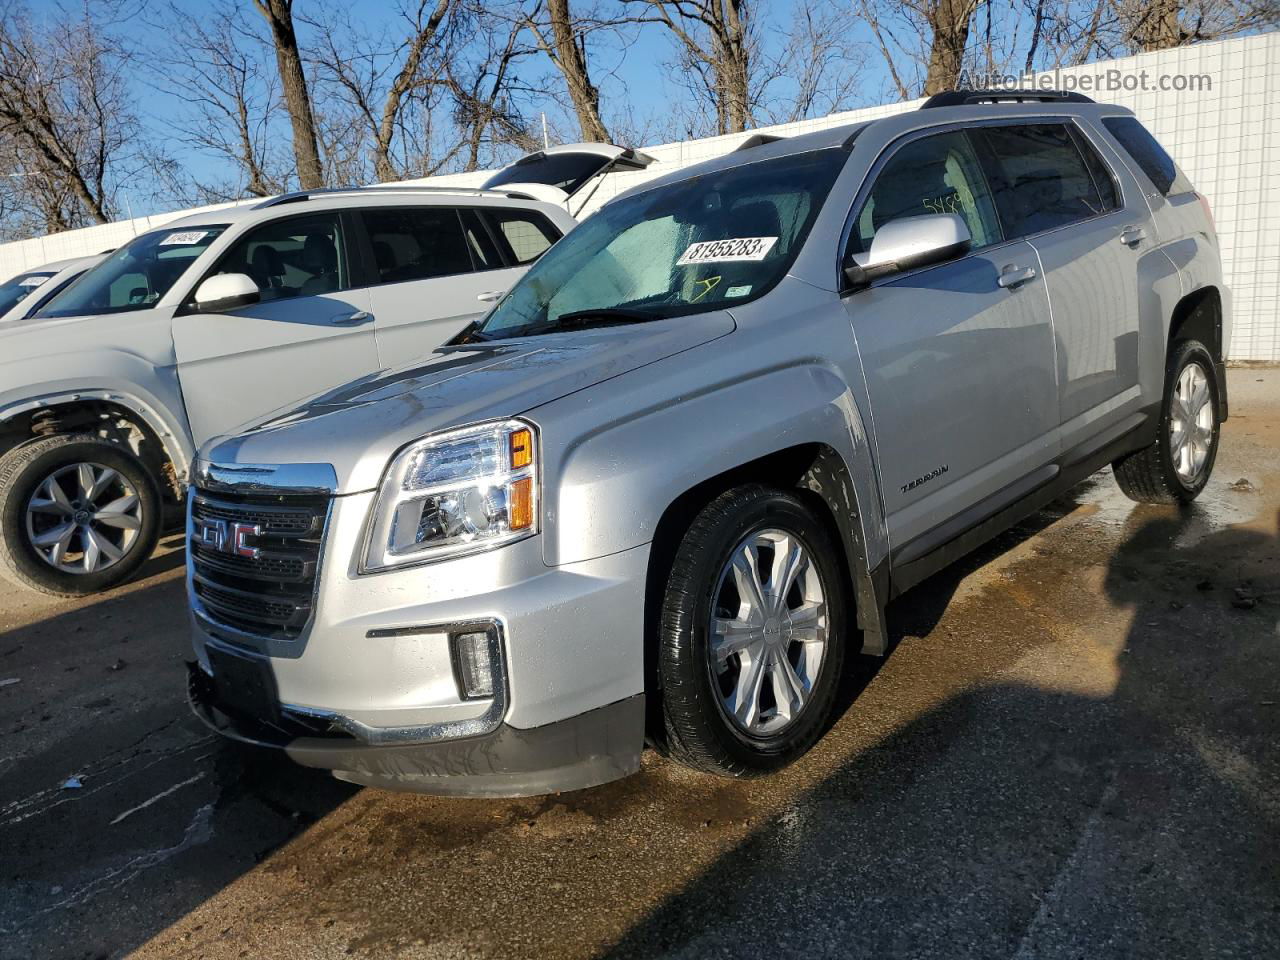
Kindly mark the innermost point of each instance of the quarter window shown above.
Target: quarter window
(1147, 154)
(297, 257)
(935, 174)
(1039, 178)
(527, 235)
(417, 243)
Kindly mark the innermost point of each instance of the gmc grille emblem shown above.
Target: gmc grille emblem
(228, 537)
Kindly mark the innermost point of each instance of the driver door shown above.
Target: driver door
(311, 330)
(958, 358)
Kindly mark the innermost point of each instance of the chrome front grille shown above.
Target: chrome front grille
(268, 587)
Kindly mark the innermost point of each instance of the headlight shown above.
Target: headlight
(456, 492)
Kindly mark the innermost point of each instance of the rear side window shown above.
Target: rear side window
(525, 234)
(417, 243)
(1039, 177)
(1147, 154)
(484, 250)
(1102, 178)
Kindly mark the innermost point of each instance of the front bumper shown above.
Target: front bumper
(371, 689)
(583, 751)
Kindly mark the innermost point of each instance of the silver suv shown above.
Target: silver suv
(216, 319)
(668, 485)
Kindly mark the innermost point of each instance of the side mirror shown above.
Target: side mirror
(226, 291)
(908, 243)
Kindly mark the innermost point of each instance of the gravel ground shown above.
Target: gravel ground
(1069, 753)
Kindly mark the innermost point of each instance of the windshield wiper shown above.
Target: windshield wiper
(602, 317)
(471, 333)
(574, 320)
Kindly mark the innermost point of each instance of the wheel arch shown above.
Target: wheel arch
(62, 410)
(819, 473)
(1199, 316)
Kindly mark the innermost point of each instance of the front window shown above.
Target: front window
(939, 173)
(705, 243)
(296, 257)
(19, 288)
(136, 276)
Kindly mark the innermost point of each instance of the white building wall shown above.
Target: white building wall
(1227, 139)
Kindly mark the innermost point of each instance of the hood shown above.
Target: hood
(32, 337)
(358, 427)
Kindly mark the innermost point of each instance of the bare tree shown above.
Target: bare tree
(67, 126)
(487, 91)
(385, 78)
(219, 69)
(949, 21)
(1160, 24)
(816, 72)
(562, 37)
(1072, 32)
(293, 82)
(923, 41)
(717, 46)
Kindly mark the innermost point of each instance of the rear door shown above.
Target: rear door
(437, 268)
(1054, 190)
(312, 329)
(958, 357)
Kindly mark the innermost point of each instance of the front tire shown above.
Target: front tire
(78, 514)
(752, 634)
(1176, 467)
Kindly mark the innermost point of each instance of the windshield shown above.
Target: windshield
(17, 289)
(701, 244)
(135, 276)
(568, 171)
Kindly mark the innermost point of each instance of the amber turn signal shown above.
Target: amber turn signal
(521, 504)
(521, 449)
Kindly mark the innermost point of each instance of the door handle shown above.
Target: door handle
(1131, 236)
(1014, 276)
(489, 296)
(351, 319)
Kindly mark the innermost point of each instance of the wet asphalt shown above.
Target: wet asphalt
(1071, 752)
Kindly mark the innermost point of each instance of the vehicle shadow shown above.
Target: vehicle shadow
(1027, 778)
(917, 612)
(1128, 810)
(199, 812)
(165, 814)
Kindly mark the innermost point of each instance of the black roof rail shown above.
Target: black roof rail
(960, 98)
(757, 140)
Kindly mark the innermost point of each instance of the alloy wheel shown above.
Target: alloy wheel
(768, 632)
(1191, 419)
(83, 518)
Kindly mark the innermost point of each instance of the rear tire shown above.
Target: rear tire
(754, 710)
(1176, 467)
(78, 514)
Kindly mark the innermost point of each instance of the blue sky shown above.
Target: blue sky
(632, 79)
